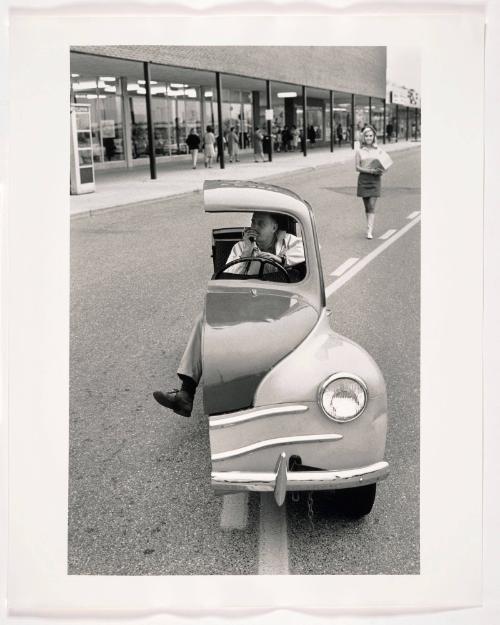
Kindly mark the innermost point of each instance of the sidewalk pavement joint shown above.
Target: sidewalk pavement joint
(121, 188)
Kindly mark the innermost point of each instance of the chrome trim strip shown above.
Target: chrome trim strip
(234, 481)
(274, 442)
(257, 413)
(337, 376)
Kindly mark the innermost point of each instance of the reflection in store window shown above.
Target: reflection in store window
(378, 117)
(342, 118)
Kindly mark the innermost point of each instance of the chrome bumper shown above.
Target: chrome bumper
(282, 480)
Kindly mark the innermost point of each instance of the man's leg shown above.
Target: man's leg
(190, 364)
(189, 371)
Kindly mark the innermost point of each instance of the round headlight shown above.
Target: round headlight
(343, 396)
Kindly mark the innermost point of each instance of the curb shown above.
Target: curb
(152, 201)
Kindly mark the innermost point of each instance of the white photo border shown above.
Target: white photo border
(38, 292)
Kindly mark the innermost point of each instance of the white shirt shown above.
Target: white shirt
(287, 245)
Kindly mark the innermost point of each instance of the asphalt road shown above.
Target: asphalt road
(140, 500)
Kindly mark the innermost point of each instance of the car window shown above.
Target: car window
(268, 248)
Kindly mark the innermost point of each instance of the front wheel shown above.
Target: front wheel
(356, 502)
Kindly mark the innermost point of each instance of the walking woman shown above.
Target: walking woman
(369, 176)
(258, 148)
(208, 146)
(193, 143)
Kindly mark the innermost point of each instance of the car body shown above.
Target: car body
(271, 363)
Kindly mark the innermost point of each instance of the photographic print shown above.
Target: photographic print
(239, 300)
(245, 310)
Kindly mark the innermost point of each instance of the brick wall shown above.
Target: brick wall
(359, 70)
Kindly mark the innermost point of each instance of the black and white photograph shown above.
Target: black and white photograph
(244, 266)
(245, 310)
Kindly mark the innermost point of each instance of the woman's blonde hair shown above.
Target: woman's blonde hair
(362, 135)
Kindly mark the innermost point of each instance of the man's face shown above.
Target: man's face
(265, 227)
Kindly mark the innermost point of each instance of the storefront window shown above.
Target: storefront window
(138, 118)
(378, 117)
(314, 124)
(391, 123)
(342, 117)
(361, 114)
(210, 108)
(402, 123)
(415, 135)
(111, 120)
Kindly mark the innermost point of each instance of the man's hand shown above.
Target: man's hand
(248, 240)
(250, 236)
(269, 256)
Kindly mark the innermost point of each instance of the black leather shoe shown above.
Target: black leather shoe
(178, 401)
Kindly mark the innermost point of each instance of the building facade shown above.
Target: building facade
(340, 88)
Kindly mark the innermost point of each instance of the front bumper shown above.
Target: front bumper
(282, 480)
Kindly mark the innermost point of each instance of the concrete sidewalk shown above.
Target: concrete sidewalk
(115, 188)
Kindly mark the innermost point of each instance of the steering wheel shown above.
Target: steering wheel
(262, 261)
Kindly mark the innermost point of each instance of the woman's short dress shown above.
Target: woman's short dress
(209, 148)
(368, 185)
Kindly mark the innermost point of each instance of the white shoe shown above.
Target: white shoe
(369, 234)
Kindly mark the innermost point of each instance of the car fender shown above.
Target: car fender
(322, 353)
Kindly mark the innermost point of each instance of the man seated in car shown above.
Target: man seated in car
(262, 239)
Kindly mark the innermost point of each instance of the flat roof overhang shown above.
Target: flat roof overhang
(95, 65)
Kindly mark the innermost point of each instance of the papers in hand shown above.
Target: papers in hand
(381, 160)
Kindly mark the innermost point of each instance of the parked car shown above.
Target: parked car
(292, 405)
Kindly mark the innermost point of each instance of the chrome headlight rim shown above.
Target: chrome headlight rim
(337, 376)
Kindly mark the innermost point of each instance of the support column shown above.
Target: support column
(255, 111)
(220, 142)
(290, 113)
(269, 122)
(352, 120)
(149, 115)
(385, 124)
(407, 122)
(202, 112)
(332, 129)
(304, 119)
(127, 125)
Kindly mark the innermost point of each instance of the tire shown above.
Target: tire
(356, 502)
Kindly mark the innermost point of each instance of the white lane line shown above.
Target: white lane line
(273, 542)
(234, 515)
(368, 258)
(413, 215)
(387, 234)
(344, 266)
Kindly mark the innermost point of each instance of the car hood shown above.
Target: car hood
(246, 332)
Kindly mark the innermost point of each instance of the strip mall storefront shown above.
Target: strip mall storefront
(182, 99)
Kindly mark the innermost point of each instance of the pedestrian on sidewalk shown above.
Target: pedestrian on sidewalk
(389, 130)
(340, 134)
(193, 142)
(258, 148)
(233, 147)
(369, 176)
(295, 137)
(208, 146)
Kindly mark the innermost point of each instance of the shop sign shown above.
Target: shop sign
(404, 96)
